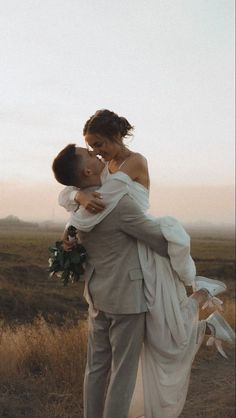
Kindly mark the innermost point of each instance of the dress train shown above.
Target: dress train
(173, 337)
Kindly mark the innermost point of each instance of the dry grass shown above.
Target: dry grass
(42, 339)
(41, 370)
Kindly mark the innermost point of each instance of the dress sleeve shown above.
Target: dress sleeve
(179, 249)
(66, 198)
(112, 191)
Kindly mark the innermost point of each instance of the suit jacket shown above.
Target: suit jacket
(113, 277)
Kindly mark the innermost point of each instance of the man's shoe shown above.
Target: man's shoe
(220, 331)
(213, 287)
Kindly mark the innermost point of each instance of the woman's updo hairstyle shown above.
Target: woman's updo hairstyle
(108, 124)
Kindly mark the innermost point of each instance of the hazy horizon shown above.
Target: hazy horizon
(189, 204)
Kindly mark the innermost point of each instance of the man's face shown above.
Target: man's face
(91, 161)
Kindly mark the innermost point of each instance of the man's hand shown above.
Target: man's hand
(68, 243)
(91, 201)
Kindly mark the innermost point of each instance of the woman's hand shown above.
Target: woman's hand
(91, 201)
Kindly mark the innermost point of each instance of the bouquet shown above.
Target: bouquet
(67, 265)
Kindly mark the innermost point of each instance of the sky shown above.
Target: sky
(166, 65)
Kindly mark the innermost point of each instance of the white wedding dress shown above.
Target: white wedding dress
(173, 330)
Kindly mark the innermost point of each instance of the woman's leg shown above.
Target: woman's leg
(201, 296)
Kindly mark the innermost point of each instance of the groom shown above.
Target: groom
(114, 290)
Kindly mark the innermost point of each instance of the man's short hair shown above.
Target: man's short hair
(67, 166)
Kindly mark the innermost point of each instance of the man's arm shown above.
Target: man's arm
(135, 223)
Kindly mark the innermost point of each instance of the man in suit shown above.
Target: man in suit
(115, 292)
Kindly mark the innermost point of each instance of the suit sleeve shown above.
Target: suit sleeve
(135, 223)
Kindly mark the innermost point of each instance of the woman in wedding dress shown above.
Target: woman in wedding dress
(173, 330)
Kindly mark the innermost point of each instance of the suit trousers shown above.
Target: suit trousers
(114, 347)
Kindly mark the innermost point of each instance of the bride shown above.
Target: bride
(173, 330)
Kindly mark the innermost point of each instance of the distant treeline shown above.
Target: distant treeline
(13, 221)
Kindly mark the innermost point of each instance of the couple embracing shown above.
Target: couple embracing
(135, 278)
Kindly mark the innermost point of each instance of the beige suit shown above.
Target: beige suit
(114, 285)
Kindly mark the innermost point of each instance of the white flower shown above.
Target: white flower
(50, 262)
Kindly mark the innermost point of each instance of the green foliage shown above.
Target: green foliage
(68, 265)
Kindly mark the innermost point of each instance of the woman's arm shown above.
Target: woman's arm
(72, 197)
(66, 198)
(91, 201)
(111, 191)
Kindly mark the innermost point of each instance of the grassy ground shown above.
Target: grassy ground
(26, 290)
(43, 333)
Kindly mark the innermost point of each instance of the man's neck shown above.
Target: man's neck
(90, 182)
(90, 188)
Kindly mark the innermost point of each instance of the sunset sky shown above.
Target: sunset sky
(166, 65)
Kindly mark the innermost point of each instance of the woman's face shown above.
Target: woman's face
(103, 146)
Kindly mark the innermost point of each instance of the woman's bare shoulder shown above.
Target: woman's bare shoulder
(137, 159)
(137, 168)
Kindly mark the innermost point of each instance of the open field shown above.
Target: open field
(43, 332)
